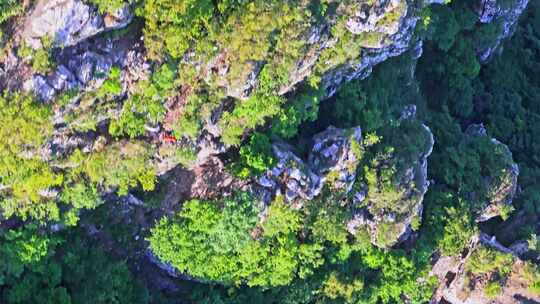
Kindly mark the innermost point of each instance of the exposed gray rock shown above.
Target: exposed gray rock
(409, 112)
(391, 21)
(520, 248)
(86, 66)
(62, 79)
(488, 10)
(242, 87)
(370, 18)
(429, 2)
(291, 178)
(332, 153)
(208, 145)
(506, 13)
(69, 21)
(394, 44)
(42, 88)
(331, 161)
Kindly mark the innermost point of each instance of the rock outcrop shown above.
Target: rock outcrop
(86, 65)
(388, 210)
(487, 272)
(69, 22)
(380, 30)
(500, 185)
(331, 162)
(389, 26)
(505, 14)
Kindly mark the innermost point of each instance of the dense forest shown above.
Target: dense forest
(286, 151)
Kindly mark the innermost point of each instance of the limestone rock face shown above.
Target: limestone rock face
(81, 62)
(371, 18)
(291, 177)
(506, 13)
(383, 29)
(388, 216)
(69, 21)
(501, 186)
(331, 160)
(392, 24)
(86, 66)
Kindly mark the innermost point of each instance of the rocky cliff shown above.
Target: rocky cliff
(503, 13)
(369, 34)
(101, 81)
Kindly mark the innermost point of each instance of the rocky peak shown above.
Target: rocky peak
(501, 186)
(392, 23)
(331, 162)
(371, 18)
(388, 209)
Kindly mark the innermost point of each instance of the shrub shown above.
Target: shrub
(8, 9)
(492, 290)
(108, 6)
(41, 59)
(256, 157)
(531, 274)
(485, 260)
(113, 85)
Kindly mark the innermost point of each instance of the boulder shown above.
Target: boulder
(42, 88)
(291, 178)
(86, 65)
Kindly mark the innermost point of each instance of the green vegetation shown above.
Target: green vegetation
(146, 106)
(8, 9)
(492, 290)
(485, 260)
(303, 254)
(221, 69)
(30, 185)
(531, 274)
(497, 265)
(41, 59)
(26, 180)
(215, 244)
(249, 38)
(113, 85)
(40, 268)
(109, 6)
(255, 157)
